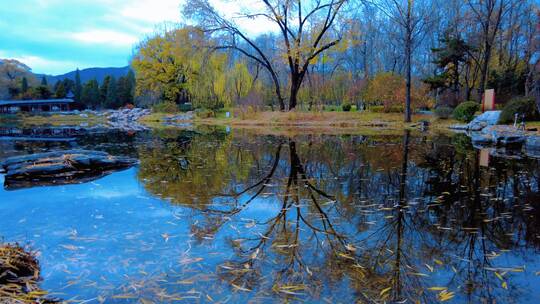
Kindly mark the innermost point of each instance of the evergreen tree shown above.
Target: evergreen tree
(78, 87)
(103, 90)
(90, 94)
(111, 101)
(126, 88)
(449, 59)
(44, 81)
(60, 90)
(41, 92)
(130, 90)
(24, 85)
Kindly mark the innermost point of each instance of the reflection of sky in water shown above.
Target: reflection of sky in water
(111, 237)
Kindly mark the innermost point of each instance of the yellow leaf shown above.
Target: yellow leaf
(385, 290)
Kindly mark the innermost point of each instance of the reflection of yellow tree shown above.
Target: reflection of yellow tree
(342, 214)
(193, 170)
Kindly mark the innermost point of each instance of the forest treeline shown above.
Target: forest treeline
(389, 55)
(17, 82)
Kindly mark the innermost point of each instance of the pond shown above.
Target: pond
(216, 215)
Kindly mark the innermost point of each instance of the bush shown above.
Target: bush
(520, 105)
(346, 107)
(443, 112)
(376, 109)
(165, 107)
(464, 112)
(185, 107)
(204, 113)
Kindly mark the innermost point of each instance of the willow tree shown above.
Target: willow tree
(304, 30)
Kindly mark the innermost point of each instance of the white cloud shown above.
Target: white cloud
(42, 65)
(105, 37)
(152, 11)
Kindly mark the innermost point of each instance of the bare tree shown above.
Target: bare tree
(489, 14)
(304, 28)
(407, 14)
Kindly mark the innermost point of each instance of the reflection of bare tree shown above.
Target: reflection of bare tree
(388, 216)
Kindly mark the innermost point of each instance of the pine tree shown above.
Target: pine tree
(112, 99)
(90, 94)
(44, 81)
(60, 90)
(103, 90)
(24, 85)
(78, 87)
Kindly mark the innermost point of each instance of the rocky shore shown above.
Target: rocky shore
(60, 168)
(503, 140)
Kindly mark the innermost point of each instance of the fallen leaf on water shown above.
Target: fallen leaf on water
(240, 288)
(445, 295)
(69, 247)
(385, 290)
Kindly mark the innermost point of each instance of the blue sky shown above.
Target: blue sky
(57, 36)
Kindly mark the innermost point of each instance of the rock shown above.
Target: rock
(489, 118)
(60, 167)
(481, 140)
(459, 127)
(504, 135)
(533, 143)
(532, 146)
(83, 115)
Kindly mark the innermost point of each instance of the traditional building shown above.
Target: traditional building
(35, 106)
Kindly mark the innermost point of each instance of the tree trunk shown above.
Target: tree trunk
(484, 72)
(408, 51)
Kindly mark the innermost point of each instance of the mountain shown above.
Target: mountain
(88, 74)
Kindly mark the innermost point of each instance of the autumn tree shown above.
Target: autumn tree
(304, 30)
(411, 19)
(11, 74)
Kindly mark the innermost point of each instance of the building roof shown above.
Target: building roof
(33, 102)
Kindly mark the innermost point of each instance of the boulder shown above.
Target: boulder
(504, 135)
(489, 118)
(532, 146)
(60, 167)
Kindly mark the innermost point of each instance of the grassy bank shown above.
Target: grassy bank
(52, 120)
(344, 122)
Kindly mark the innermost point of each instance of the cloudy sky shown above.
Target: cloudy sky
(57, 36)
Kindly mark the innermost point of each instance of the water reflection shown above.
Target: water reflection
(397, 218)
(323, 218)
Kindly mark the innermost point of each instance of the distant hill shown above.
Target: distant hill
(88, 74)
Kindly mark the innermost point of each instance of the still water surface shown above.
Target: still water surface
(216, 216)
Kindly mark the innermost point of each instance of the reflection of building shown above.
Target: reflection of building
(39, 134)
(48, 105)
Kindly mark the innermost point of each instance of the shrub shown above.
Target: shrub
(376, 109)
(464, 112)
(520, 105)
(204, 113)
(165, 107)
(185, 107)
(346, 107)
(443, 112)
